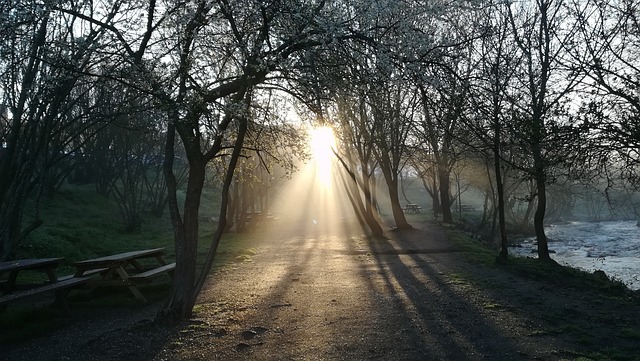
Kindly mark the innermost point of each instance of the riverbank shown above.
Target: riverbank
(609, 246)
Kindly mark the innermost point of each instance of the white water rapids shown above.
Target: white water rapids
(613, 247)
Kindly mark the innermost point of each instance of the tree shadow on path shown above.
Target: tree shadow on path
(441, 319)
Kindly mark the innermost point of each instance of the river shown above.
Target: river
(613, 247)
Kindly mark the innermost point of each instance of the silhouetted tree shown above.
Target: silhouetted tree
(542, 31)
(42, 84)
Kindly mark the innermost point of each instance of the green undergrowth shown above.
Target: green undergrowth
(630, 333)
(79, 224)
(473, 250)
(567, 277)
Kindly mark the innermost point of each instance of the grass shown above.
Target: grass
(491, 305)
(630, 333)
(80, 224)
(457, 279)
(555, 276)
(474, 251)
(549, 272)
(565, 329)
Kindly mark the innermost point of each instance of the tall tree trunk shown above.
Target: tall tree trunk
(352, 191)
(370, 205)
(10, 232)
(396, 208)
(504, 250)
(354, 187)
(187, 251)
(215, 241)
(392, 186)
(526, 224)
(375, 206)
(445, 199)
(433, 193)
(20, 156)
(181, 298)
(538, 219)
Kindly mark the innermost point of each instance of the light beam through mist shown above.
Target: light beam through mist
(321, 144)
(313, 203)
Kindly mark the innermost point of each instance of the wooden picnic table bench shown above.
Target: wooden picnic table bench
(13, 291)
(125, 269)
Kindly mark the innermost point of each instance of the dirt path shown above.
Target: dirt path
(411, 297)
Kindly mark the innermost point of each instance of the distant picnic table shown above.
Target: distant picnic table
(412, 208)
(259, 217)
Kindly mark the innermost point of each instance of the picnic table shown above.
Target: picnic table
(13, 290)
(467, 207)
(126, 269)
(259, 217)
(412, 208)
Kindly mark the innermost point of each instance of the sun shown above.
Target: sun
(321, 144)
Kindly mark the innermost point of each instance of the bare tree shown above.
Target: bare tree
(498, 62)
(442, 112)
(356, 143)
(438, 69)
(44, 57)
(542, 31)
(610, 35)
(393, 118)
(202, 61)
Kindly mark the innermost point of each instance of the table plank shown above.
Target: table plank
(47, 287)
(121, 257)
(116, 265)
(33, 263)
(11, 291)
(167, 268)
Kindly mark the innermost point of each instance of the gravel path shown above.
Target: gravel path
(322, 297)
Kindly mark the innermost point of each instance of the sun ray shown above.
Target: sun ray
(321, 143)
(313, 204)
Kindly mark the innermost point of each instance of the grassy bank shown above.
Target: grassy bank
(589, 315)
(80, 224)
(549, 272)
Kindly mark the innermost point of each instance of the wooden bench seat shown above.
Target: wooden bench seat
(86, 274)
(143, 276)
(60, 289)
